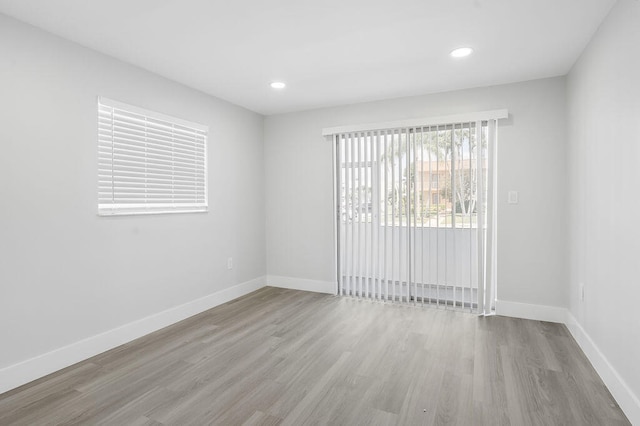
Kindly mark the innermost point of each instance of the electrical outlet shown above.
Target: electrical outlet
(581, 292)
(230, 263)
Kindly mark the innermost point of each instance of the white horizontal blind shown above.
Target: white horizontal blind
(414, 208)
(149, 162)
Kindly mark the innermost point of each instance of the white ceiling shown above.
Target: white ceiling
(329, 52)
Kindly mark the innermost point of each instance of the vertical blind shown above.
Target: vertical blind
(149, 162)
(415, 220)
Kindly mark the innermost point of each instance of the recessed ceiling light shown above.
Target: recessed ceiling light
(461, 52)
(278, 85)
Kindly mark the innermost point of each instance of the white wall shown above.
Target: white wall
(531, 237)
(604, 163)
(67, 274)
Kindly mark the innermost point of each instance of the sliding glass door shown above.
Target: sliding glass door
(415, 215)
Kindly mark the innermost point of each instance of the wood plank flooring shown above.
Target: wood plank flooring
(286, 357)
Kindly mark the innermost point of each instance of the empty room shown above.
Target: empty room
(410, 212)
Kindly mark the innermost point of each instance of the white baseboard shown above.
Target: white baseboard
(532, 312)
(31, 369)
(624, 396)
(302, 284)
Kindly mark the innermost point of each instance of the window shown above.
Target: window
(434, 181)
(149, 162)
(424, 176)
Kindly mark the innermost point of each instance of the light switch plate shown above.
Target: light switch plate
(512, 197)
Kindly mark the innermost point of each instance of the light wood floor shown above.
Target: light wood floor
(289, 357)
